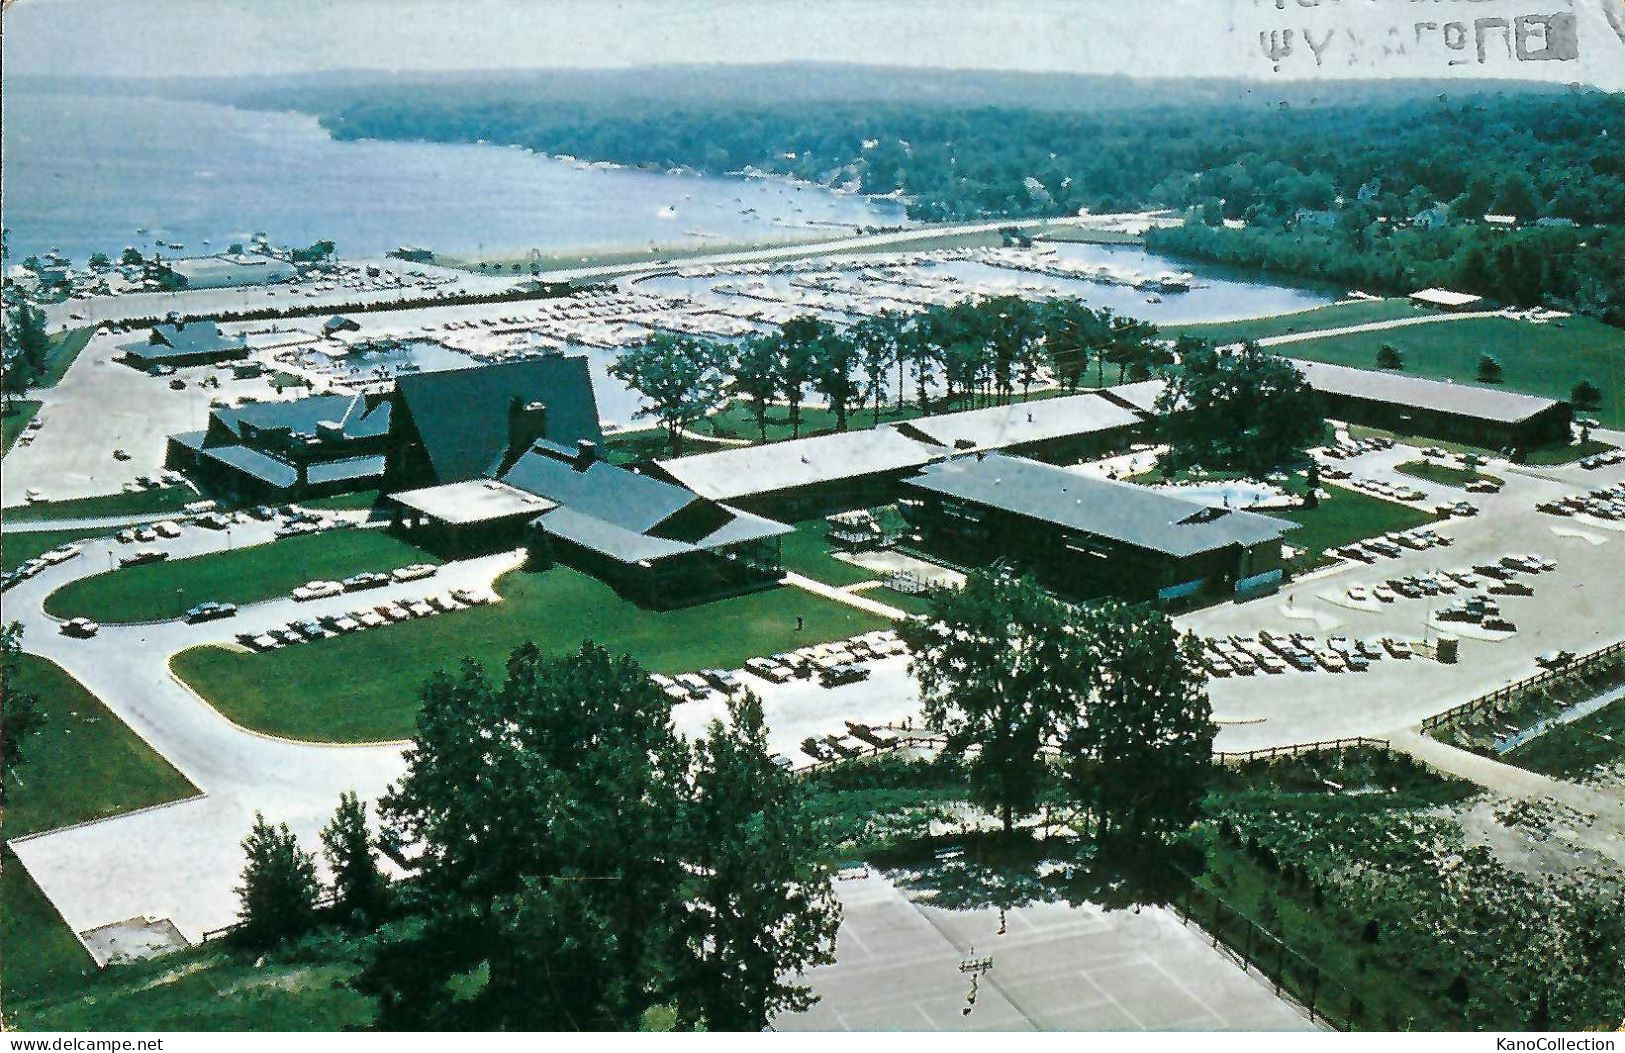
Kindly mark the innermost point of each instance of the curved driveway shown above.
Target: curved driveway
(181, 861)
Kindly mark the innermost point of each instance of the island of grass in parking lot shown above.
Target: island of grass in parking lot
(1344, 516)
(364, 686)
(157, 591)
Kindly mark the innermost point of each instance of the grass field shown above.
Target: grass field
(155, 591)
(1445, 474)
(1555, 455)
(84, 763)
(1577, 749)
(365, 686)
(65, 347)
(1535, 359)
(1332, 316)
(19, 412)
(104, 506)
(807, 552)
(1344, 516)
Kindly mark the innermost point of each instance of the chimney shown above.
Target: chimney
(586, 453)
(527, 422)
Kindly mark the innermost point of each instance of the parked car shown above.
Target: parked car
(168, 528)
(61, 554)
(365, 580)
(143, 555)
(317, 590)
(210, 610)
(414, 572)
(1554, 659)
(83, 628)
(721, 679)
(842, 674)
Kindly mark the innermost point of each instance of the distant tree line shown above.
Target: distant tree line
(1374, 163)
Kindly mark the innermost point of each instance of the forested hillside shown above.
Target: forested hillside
(1325, 180)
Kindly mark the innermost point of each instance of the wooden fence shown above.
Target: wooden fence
(1300, 748)
(1485, 703)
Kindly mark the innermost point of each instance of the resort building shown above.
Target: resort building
(238, 270)
(430, 429)
(1438, 409)
(178, 344)
(275, 451)
(1087, 536)
(654, 542)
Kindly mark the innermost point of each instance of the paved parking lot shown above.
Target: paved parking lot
(1055, 968)
(1576, 607)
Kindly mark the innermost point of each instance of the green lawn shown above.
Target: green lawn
(648, 444)
(1555, 455)
(104, 506)
(84, 763)
(65, 347)
(1344, 516)
(365, 686)
(1332, 316)
(807, 552)
(155, 591)
(53, 959)
(18, 413)
(17, 547)
(1579, 748)
(1536, 359)
(1445, 474)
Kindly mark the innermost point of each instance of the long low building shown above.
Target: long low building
(1089, 536)
(1438, 409)
(843, 470)
(179, 344)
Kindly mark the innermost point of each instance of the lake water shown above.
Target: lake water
(84, 173)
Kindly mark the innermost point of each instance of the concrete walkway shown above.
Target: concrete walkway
(851, 599)
(1374, 327)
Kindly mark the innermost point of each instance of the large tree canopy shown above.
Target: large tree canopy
(1247, 410)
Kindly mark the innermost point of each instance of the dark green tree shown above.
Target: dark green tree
(836, 363)
(1389, 357)
(798, 369)
(20, 715)
(32, 343)
(987, 662)
(877, 338)
(1139, 748)
(566, 771)
(756, 377)
(131, 257)
(360, 890)
(1489, 369)
(1249, 411)
(760, 909)
(279, 890)
(681, 378)
(1586, 395)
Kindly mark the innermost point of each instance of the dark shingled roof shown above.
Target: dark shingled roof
(302, 415)
(266, 469)
(172, 340)
(1464, 400)
(1124, 512)
(627, 516)
(462, 414)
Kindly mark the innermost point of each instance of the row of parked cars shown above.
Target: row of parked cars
(30, 567)
(1605, 502)
(1501, 577)
(302, 629)
(1602, 460)
(1393, 544)
(367, 579)
(1276, 653)
(858, 740)
(832, 664)
(1346, 448)
(1392, 491)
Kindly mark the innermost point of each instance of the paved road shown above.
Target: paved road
(1375, 327)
